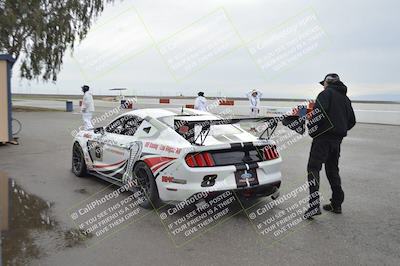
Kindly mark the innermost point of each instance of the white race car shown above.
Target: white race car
(177, 153)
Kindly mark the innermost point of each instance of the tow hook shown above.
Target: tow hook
(276, 194)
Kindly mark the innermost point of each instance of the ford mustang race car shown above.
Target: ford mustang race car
(177, 153)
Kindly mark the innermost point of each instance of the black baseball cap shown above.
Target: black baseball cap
(200, 93)
(330, 78)
(85, 87)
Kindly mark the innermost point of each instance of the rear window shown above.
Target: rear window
(217, 130)
(214, 131)
(184, 126)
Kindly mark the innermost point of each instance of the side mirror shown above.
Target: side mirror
(99, 130)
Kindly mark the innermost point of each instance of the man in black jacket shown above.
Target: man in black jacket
(332, 117)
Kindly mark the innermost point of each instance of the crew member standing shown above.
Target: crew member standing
(332, 117)
(87, 107)
(254, 97)
(201, 102)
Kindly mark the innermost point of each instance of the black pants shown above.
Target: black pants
(324, 151)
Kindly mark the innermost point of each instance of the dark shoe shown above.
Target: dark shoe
(331, 208)
(312, 212)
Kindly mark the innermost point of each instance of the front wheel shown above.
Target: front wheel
(147, 184)
(78, 161)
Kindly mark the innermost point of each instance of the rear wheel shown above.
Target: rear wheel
(78, 161)
(147, 184)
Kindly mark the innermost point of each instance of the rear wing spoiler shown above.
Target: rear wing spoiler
(185, 125)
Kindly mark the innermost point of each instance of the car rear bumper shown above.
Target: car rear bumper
(259, 191)
(190, 181)
(245, 193)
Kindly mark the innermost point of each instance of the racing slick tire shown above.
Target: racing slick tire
(78, 161)
(148, 185)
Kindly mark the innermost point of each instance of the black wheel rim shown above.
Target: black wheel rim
(143, 180)
(76, 159)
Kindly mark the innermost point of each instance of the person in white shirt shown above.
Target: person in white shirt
(254, 97)
(87, 108)
(201, 102)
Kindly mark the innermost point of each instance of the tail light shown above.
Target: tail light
(203, 159)
(270, 152)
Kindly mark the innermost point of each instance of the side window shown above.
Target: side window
(125, 125)
(132, 125)
(116, 126)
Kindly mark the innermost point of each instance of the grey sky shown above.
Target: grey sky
(360, 41)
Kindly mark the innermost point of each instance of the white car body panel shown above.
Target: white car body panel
(164, 151)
